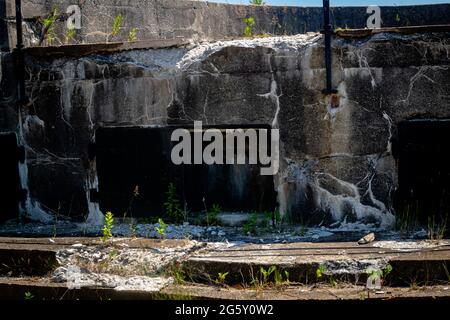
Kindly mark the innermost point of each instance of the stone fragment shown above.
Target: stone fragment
(367, 239)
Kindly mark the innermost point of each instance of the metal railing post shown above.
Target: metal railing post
(327, 31)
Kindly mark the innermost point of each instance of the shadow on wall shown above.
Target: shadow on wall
(11, 193)
(424, 171)
(135, 164)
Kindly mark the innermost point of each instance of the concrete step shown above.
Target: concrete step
(412, 264)
(37, 256)
(408, 262)
(43, 289)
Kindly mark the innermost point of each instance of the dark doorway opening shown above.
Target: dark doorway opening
(424, 167)
(140, 157)
(10, 188)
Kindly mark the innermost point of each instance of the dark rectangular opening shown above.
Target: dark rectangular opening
(10, 188)
(424, 166)
(129, 157)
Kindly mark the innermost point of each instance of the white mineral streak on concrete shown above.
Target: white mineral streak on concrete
(32, 209)
(203, 50)
(83, 278)
(390, 124)
(353, 266)
(95, 215)
(332, 203)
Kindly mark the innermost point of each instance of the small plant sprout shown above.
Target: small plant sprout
(55, 222)
(133, 230)
(407, 217)
(257, 2)
(437, 227)
(29, 295)
(277, 218)
(211, 215)
(70, 34)
(447, 273)
(176, 271)
(161, 228)
(132, 35)
(333, 281)
(320, 272)
(250, 226)
(49, 26)
(375, 277)
(108, 225)
(278, 277)
(117, 24)
(286, 274)
(134, 196)
(267, 220)
(172, 205)
(275, 24)
(221, 276)
(303, 230)
(265, 274)
(113, 253)
(387, 269)
(249, 24)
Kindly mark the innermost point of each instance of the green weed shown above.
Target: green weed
(172, 205)
(161, 229)
(221, 276)
(108, 226)
(132, 35)
(250, 225)
(249, 25)
(117, 24)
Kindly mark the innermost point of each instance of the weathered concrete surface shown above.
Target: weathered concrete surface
(346, 262)
(423, 262)
(15, 289)
(65, 242)
(198, 20)
(311, 293)
(45, 289)
(41, 256)
(337, 166)
(140, 263)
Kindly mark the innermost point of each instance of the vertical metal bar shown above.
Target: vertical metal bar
(20, 61)
(327, 31)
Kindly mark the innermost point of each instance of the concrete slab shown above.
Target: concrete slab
(346, 292)
(13, 288)
(410, 261)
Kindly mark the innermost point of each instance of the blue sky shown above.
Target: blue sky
(318, 3)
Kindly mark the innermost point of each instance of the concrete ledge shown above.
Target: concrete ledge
(77, 50)
(362, 33)
(414, 264)
(349, 262)
(200, 20)
(42, 289)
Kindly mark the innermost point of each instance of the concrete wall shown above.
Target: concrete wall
(197, 20)
(336, 164)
